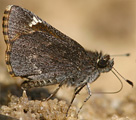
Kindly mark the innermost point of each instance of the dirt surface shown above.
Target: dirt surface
(97, 25)
(98, 108)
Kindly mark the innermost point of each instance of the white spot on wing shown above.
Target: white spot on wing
(8, 7)
(35, 21)
(33, 64)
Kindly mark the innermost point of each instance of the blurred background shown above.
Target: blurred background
(107, 25)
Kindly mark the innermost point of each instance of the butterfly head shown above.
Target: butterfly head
(105, 63)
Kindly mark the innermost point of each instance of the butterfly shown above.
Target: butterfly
(45, 56)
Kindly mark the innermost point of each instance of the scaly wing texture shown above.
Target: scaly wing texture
(37, 50)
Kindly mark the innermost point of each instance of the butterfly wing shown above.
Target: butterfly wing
(37, 50)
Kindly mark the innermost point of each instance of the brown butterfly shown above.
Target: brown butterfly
(45, 56)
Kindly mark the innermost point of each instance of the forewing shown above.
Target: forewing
(36, 48)
(37, 53)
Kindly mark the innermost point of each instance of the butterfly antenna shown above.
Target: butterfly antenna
(126, 55)
(128, 81)
(114, 91)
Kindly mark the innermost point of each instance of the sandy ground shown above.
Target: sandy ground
(97, 25)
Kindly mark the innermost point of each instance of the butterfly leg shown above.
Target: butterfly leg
(54, 92)
(76, 91)
(89, 92)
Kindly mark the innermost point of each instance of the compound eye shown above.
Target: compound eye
(102, 63)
